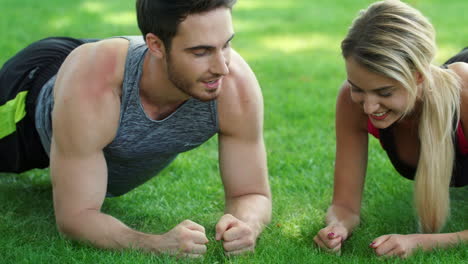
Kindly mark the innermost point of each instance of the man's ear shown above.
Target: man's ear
(155, 45)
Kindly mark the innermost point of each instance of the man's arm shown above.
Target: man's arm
(85, 120)
(242, 160)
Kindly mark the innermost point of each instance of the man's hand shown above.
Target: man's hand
(331, 238)
(187, 239)
(237, 236)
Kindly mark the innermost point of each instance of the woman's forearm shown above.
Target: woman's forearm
(342, 216)
(430, 241)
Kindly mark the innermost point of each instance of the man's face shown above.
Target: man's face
(200, 53)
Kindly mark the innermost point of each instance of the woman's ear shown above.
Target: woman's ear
(419, 78)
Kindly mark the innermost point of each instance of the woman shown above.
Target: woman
(419, 113)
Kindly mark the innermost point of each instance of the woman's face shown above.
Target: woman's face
(383, 99)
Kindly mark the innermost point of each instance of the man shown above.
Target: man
(121, 110)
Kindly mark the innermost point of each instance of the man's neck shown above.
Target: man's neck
(158, 95)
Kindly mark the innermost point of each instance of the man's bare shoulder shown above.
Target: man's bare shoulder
(240, 73)
(87, 95)
(240, 85)
(94, 67)
(240, 102)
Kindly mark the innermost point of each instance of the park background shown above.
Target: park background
(293, 46)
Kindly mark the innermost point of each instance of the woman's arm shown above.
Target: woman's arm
(350, 169)
(405, 245)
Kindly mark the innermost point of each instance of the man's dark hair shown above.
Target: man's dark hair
(162, 17)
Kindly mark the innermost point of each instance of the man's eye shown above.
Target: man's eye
(200, 53)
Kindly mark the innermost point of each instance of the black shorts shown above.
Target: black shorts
(21, 79)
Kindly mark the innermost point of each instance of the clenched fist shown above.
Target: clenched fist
(237, 236)
(187, 239)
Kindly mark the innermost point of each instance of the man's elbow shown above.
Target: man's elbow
(67, 226)
(71, 224)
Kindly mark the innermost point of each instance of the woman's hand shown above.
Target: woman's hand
(396, 245)
(405, 245)
(331, 237)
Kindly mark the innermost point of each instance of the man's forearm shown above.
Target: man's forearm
(253, 209)
(105, 231)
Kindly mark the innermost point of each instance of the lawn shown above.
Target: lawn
(293, 46)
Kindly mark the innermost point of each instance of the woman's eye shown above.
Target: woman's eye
(355, 90)
(385, 93)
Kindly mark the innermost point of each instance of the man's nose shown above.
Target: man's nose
(220, 64)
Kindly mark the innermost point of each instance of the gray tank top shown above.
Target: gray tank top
(142, 146)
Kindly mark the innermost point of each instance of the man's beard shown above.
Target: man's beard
(183, 84)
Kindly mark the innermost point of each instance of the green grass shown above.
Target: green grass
(293, 46)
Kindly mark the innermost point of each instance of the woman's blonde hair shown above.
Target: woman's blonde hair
(395, 40)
